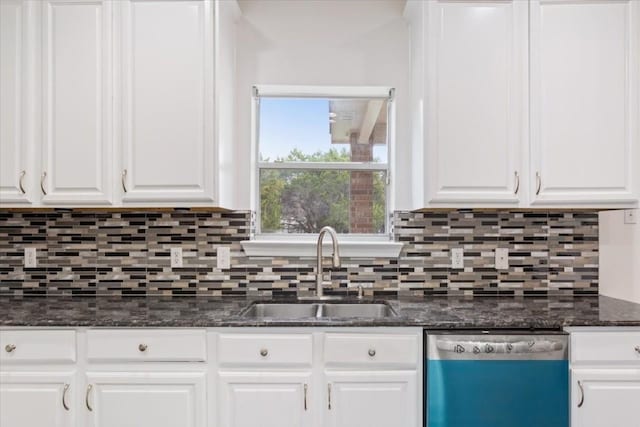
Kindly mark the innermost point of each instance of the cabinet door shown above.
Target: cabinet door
(605, 397)
(168, 116)
(15, 22)
(77, 101)
(585, 77)
(373, 399)
(30, 399)
(266, 399)
(475, 71)
(146, 399)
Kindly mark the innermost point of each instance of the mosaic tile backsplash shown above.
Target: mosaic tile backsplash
(127, 253)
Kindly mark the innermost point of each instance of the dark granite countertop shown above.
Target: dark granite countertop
(428, 312)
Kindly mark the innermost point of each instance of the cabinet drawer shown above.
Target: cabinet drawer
(622, 346)
(37, 346)
(265, 349)
(371, 349)
(146, 345)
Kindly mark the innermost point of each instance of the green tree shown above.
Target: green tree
(304, 201)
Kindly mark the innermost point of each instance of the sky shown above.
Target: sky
(288, 123)
(303, 123)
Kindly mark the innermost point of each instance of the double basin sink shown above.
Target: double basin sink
(317, 310)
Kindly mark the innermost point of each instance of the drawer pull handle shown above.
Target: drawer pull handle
(142, 348)
(86, 398)
(538, 183)
(517, 175)
(64, 397)
(372, 352)
(21, 182)
(305, 397)
(9, 348)
(581, 395)
(264, 352)
(329, 395)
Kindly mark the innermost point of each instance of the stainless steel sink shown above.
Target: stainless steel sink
(281, 311)
(376, 311)
(317, 310)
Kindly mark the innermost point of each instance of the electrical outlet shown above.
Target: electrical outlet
(223, 257)
(457, 258)
(30, 258)
(176, 257)
(631, 216)
(502, 259)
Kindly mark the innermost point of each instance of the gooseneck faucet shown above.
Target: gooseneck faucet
(335, 257)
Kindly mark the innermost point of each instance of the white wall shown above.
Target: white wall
(323, 42)
(619, 256)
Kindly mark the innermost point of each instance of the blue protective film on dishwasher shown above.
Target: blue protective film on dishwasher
(497, 393)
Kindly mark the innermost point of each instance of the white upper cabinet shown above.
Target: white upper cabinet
(77, 102)
(474, 90)
(585, 77)
(15, 172)
(168, 101)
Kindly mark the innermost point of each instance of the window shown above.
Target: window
(322, 159)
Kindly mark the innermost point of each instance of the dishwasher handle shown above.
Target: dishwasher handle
(502, 347)
(497, 347)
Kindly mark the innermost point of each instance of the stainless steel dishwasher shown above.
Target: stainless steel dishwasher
(496, 379)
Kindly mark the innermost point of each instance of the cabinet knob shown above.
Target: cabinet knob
(142, 347)
(264, 352)
(637, 349)
(372, 352)
(9, 348)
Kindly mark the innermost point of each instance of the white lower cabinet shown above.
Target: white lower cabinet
(605, 397)
(605, 377)
(37, 398)
(222, 377)
(372, 399)
(266, 399)
(146, 399)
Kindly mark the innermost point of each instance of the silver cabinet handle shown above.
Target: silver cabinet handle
(44, 176)
(124, 180)
(21, 181)
(517, 186)
(86, 398)
(581, 395)
(372, 352)
(64, 397)
(329, 395)
(264, 352)
(142, 348)
(538, 183)
(305, 397)
(9, 348)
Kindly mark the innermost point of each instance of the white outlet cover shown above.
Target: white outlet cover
(502, 259)
(457, 258)
(631, 216)
(223, 257)
(30, 258)
(176, 258)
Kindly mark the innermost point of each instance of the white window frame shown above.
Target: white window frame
(298, 244)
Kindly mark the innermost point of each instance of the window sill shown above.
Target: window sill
(304, 247)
